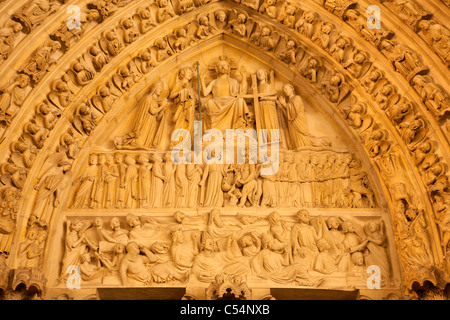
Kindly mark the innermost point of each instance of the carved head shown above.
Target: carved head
(17, 27)
(145, 14)
(23, 80)
(177, 237)
(118, 157)
(425, 147)
(127, 23)
(418, 81)
(133, 248)
(424, 24)
(186, 73)
(77, 67)
(303, 216)
(41, 236)
(347, 226)
(219, 279)
(223, 67)
(214, 217)
(335, 80)
(323, 244)
(386, 45)
(98, 222)
(65, 165)
(288, 89)
(101, 158)
(246, 241)
(92, 159)
(159, 247)
(109, 160)
(412, 213)
(86, 258)
(133, 221)
(145, 55)
(265, 32)
(156, 158)
(179, 216)
(203, 20)
(130, 160)
(261, 74)
(314, 160)
(274, 218)
(208, 244)
(375, 75)
(115, 223)
(358, 258)
(331, 158)
(351, 14)
(290, 9)
(372, 227)
(341, 42)
(162, 3)
(119, 249)
(312, 63)
(333, 223)
(221, 15)
(326, 28)
(111, 36)
(241, 18)
(290, 44)
(360, 58)
(436, 169)
(266, 240)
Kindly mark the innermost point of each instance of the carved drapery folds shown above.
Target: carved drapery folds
(292, 30)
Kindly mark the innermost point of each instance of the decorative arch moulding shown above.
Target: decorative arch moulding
(367, 123)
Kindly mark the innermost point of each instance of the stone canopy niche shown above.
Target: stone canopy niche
(223, 150)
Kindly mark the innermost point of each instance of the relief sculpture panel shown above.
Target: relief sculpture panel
(149, 250)
(225, 146)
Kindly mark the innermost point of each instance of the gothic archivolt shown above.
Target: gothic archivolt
(59, 100)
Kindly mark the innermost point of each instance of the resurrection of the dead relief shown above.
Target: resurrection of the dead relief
(125, 166)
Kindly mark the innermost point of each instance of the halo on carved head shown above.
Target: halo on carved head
(213, 64)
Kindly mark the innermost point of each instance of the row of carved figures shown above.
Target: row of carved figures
(141, 181)
(157, 250)
(30, 16)
(85, 119)
(287, 49)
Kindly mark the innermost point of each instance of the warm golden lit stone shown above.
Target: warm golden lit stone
(113, 114)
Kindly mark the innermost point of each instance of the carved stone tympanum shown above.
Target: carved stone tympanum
(226, 149)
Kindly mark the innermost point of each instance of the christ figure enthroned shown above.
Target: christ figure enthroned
(227, 108)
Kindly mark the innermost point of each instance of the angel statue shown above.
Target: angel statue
(184, 98)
